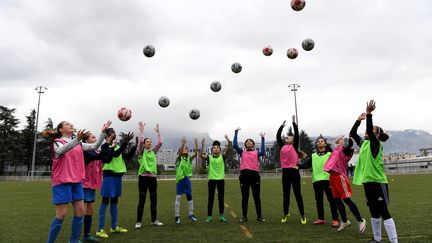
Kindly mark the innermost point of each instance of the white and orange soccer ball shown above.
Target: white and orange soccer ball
(292, 53)
(298, 5)
(267, 51)
(124, 114)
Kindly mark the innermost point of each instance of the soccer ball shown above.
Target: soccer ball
(194, 114)
(297, 5)
(292, 53)
(124, 114)
(236, 67)
(149, 51)
(215, 86)
(164, 101)
(308, 44)
(267, 51)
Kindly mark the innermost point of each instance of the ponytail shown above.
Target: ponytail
(382, 136)
(53, 133)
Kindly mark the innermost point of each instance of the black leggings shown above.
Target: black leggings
(377, 198)
(352, 206)
(321, 187)
(212, 184)
(291, 177)
(144, 183)
(250, 179)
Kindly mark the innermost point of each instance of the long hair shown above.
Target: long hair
(53, 133)
(328, 148)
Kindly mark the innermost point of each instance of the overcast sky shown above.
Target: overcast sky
(89, 55)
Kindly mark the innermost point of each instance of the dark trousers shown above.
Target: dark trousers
(212, 184)
(250, 179)
(291, 177)
(321, 187)
(147, 183)
(377, 198)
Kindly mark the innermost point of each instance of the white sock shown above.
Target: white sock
(177, 205)
(191, 208)
(376, 228)
(390, 227)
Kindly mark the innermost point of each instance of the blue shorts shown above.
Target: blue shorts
(184, 186)
(89, 195)
(111, 186)
(67, 192)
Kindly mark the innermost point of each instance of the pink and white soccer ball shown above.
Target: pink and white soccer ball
(267, 51)
(124, 114)
(292, 53)
(298, 5)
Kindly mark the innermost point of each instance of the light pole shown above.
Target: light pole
(294, 88)
(40, 90)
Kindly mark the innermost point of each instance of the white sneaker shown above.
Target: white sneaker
(344, 225)
(138, 225)
(362, 226)
(157, 223)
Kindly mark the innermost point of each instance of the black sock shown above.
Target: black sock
(87, 225)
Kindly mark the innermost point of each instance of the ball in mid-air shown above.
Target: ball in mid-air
(298, 5)
(194, 114)
(292, 53)
(236, 67)
(149, 51)
(215, 86)
(124, 114)
(267, 51)
(164, 101)
(308, 44)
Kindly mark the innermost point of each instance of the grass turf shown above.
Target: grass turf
(26, 212)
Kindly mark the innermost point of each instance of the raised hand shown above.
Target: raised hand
(226, 137)
(183, 140)
(82, 134)
(141, 126)
(106, 125)
(370, 106)
(203, 142)
(110, 138)
(157, 128)
(283, 124)
(196, 142)
(361, 117)
(238, 128)
(293, 119)
(128, 137)
(262, 134)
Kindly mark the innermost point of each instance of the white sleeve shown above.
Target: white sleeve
(93, 146)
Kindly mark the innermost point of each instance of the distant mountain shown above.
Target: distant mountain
(400, 141)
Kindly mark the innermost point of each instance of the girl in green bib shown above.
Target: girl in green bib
(183, 179)
(369, 172)
(216, 176)
(147, 174)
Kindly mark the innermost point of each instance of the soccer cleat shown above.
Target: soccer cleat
(375, 241)
(343, 225)
(138, 225)
(285, 218)
(319, 221)
(362, 226)
(209, 219)
(243, 219)
(118, 229)
(261, 219)
(157, 223)
(177, 220)
(335, 223)
(222, 218)
(102, 234)
(90, 238)
(303, 220)
(192, 218)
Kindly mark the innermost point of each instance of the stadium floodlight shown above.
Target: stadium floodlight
(40, 90)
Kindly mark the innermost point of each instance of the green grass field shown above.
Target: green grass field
(26, 212)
